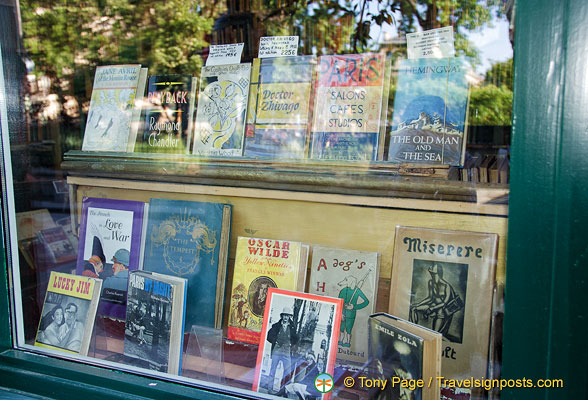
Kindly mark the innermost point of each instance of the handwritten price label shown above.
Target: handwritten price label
(222, 54)
(278, 46)
(434, 43)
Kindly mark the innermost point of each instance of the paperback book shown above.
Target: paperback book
(190, 240)
(261, 264)
(28, 225)
(58, 249)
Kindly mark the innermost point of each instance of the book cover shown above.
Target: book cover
(154, 326)
(350, 275)
(261, 264)
(430, 110)
(401, 350)
(113, 118)
(222, 108)
(169, 114)
(279, 107)
(109, 248)
(298, 345)
(58, 248)
(348, 123)
(190, 239)
(443, 280)
(68, 314)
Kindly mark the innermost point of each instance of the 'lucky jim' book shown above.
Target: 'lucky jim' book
(190, 239)
(430, 110)
(400, 350)
(109, 248)
(279, 107)
(69, 310)
(222, 108)
(349, 121)
(350, 275)
(154, 326)
(261, 264)
(113, 118)
(444, 280)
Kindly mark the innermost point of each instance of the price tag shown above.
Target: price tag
(435, 43)
(222, 54)
(278, 46)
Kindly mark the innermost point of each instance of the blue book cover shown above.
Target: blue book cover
(190, 239)
(430, 109)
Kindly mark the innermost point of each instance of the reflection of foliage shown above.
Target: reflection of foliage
(491, 105)
(500, 74)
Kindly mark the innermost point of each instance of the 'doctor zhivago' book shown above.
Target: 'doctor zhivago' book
(279, 107)
(261, 264)
(349, 116)
(169, 114)
(69, 310)
(444, 280)
(113, 118)
(222, 108)
(430, 109)
(190, 240)
(109, 248)
(399, 349)
(350, 275)
(154, 326)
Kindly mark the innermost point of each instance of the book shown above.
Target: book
(430, 109)
(154, 324)
(279, 107)
(169, 114)
(113, 117)
(28, 224)
(222, 108)
(350, 275)
(350, 121)
(261, 264)
(297, 345)
(443, 280)
(58, 248)
(110, 247)
(399, 349)
(190, 239)
(68, 314)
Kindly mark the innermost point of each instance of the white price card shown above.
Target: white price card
(434, 43)
(278, 46)
(222, 54)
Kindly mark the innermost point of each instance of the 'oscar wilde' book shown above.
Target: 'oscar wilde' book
(222, 108)
(110, 247)
(349, 121)
(350, 275)
(113, 118)
(261, 264)
(69, 310)
(169, 114)
(444, 280)
(279, 107)
(399, 349)
(430, 112)
(190, 239)
(154, 326)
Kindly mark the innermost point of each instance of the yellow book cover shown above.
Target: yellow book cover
(261, 264)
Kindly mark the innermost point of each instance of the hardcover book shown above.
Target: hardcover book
(350, 121)
(399, 349)
(222, 108)
(113, 118)
(110, 247)
(298, 345)
(154, 326)
(430, 110)
(350, 275)
(169, 114)
(443, 280)
(261, 264)
(190, 239)
(279, 107)
(69, 310)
